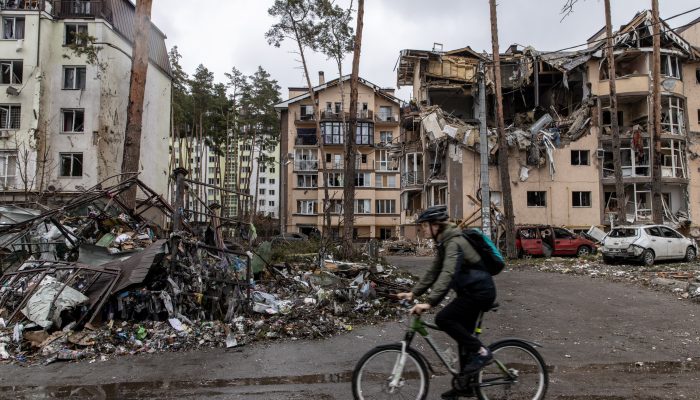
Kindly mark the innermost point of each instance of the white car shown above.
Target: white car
(647, 244)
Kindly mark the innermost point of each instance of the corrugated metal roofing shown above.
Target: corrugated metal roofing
(123, 15)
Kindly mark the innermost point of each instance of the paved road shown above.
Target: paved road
(602, 340)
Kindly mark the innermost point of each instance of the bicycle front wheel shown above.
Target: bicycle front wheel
(518, 372)
(374, 378)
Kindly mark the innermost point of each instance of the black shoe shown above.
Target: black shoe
(454, 394)
(477, 362)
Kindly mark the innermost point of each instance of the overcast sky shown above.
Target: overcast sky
(224, 33)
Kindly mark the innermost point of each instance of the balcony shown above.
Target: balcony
(386, 119)
(365, 114)
(413, 178)
(386, 166)
(304, 117)
(82, 9)
(306, 165)
(305, 140)
(22, 5)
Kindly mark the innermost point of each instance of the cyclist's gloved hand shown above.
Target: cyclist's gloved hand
(419, 309)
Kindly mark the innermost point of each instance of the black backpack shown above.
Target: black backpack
(491, 259)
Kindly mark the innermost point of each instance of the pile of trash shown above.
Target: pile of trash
(296, 302)
(419, 247)
(682, 279)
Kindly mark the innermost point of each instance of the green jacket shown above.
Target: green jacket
(451, 246)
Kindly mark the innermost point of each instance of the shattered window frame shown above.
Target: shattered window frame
(73, 162)
(74, 77)
(11, 72)
(72, 120)
(581, 199)
(307, 181)
(10, 116)
(307, 207)
(72, 30)
(537, 198)
(580, 157)
(9, 164)
(671, 67)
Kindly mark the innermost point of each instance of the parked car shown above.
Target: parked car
(545, 240)
(646, 244)
(289, 237)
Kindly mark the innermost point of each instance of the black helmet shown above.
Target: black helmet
(433, 214)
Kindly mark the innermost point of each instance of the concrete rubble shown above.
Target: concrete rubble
(93, 280)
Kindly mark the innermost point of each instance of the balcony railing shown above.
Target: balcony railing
(306, 140)
(82, 9)
(386, 118)
(306, 165)
(304, 117)
(385, 166)
(412, 178)
(365, 114)
(22, 5)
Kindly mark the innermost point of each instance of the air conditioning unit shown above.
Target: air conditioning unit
(20, 44)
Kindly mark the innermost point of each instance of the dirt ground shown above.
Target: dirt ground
(601, 340)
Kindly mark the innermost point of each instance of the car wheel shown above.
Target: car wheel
(689, 254)
(648, 257)
(583, 251)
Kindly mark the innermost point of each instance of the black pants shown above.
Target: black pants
(458, 319)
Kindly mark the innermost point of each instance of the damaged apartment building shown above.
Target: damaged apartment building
(557, 119)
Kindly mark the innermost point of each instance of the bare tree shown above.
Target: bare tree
(297, 20)
(137, 88)
(502, 141)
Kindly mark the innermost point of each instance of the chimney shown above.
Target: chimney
(321, 78)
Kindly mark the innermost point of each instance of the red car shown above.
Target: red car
(545, 240)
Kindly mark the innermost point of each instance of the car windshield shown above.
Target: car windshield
(623, 232)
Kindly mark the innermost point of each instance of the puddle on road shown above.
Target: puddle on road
(117, 390)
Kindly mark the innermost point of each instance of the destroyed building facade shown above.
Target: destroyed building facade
(63, 115)
(558, 128)
(377, 205)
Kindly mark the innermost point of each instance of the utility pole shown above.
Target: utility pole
(502, 142)
(137, 87)
(484, 152)
(349, 184)
(617, 163)
(656, 203)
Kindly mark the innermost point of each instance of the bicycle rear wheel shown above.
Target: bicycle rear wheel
(372, 376)
(517, 373)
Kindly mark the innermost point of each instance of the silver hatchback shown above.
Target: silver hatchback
(647, 244)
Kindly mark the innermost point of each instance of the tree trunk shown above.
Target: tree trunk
(656, 203)
(617, 164)
(502, 142)
(137, 87)
(350, 153)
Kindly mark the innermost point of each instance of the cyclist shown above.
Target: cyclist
(456, 266)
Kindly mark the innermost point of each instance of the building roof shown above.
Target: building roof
(123, 15)
(378, 90)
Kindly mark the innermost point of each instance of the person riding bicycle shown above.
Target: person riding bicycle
(456, 266)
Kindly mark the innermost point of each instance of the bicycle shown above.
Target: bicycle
(518, 371)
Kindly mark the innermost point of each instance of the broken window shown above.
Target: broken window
(579, 157)
(11, 72)
(74, 33)
(74, 78)
(581, 199)
(537, 199)
(363, 206)
(673, 115)
(10, 116)
(385, 206)
(73, 120)
(610, 201)
(634, 158)
(607, 120)
(333, 132)
(673, 161)
(71, 164)
(335, 179)
(364, 133)
(8, 168)
(305, 160)
(307, 207)
(13, 28)
(670, 66)
(363, 179)
(336, 206)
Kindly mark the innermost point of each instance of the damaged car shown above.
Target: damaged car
(547, 241)
(647, 244)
